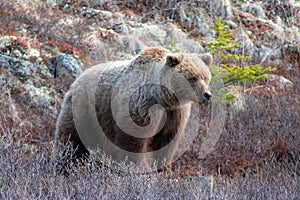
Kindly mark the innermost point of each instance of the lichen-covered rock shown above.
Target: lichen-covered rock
(279, 82)
(100, 14)
(266, 53)
(18, 47)
(182, 42)
(65, 69)
(221, 8)
(43, 97)
(26, 87)
(242, 37)
(152, 35)
(239, 102)
(255, 9)
(22, 69)
(172, 38)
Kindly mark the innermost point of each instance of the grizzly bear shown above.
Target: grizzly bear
(135, 109)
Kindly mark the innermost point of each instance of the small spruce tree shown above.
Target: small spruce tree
(226, 67)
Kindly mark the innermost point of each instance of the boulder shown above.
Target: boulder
(255, 9)
(221, 8)
(22, 69)
(29, 81)
(279, 82)
(65, 69)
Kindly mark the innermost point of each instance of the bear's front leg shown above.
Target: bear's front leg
(165, 143)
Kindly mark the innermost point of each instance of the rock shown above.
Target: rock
(120, 28)
(65, 22)
(94, 13)
(279, 21)
(279, 82)
(276, 62)
(231, 24)
(135, 45)
(221, 8)
(141, 37)
(242, 38)
(269, 23)
(183, 18)
(43, 97)
(255, 9)
(32, 53)
(22, 69)
(202, 26)
(119, 18)
(289, 35)
(294, 34)
(204, 29)
(267, 52)
(239, 102)
(154, 35)
(67, 65)
(182, 42)
(6, 41)
(65, 69)
(287, 10)
(105, 15)
(53, 3)
(30, 82)
(18, 47)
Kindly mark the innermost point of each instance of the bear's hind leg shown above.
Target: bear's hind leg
(66, 131)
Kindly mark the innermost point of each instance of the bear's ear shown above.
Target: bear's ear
(173, 60)
(207, 58)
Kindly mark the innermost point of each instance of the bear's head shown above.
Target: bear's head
(182, 78)
(195, 70)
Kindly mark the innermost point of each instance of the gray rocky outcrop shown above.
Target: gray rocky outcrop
(22, 69)
(221, 8)
(65, 69)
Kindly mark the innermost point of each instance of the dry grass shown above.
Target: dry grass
(33, 176)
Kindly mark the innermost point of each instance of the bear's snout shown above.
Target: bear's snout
(207, 96)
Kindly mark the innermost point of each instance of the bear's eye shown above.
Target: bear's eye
(193, 80)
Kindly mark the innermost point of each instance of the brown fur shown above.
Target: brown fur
(152, 54)
(177, 115)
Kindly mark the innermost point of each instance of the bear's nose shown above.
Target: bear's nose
(207, 96)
